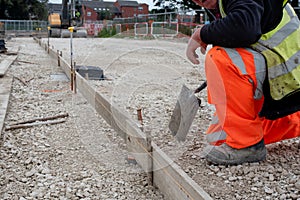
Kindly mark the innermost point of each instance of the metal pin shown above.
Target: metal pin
(139, 115)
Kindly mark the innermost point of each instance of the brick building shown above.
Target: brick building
(100, 10)
(125, 9)
(97, 10)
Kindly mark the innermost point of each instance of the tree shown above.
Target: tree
(165, 5)
(105, 14)
(4, 5)
(172, 5)
(23, 10)
(38, 10)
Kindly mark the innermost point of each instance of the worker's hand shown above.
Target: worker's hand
(194, 43)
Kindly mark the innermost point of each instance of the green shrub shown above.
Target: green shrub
(107, 32)
(185, 30)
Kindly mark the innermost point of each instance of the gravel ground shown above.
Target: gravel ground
(145, 74)
(81, 158)
(148, 74)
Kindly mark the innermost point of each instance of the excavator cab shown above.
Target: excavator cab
(54, 20)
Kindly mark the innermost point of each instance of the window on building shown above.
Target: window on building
(88, 14)
(140, 8)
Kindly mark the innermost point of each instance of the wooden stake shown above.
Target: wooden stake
(33, 124)
(58, 59)
(150, 151)
(74, 77)
(139, 115)
(22, 81)
(41, 119)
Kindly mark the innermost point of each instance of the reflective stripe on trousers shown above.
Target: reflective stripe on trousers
(234, 78)
(216, 135)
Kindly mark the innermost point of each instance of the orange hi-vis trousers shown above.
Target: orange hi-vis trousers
(235, 79)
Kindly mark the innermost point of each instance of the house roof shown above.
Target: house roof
(128, 3)
(97, 4)
(115, 10)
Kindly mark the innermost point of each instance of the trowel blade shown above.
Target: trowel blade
(184, 113)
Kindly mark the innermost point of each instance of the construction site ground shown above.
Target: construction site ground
(81, 157)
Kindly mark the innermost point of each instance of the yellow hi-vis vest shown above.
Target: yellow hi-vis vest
(281, 49)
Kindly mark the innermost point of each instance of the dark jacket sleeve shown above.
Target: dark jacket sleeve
(241, 26)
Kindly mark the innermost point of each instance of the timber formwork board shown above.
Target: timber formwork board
(5, 89)
(5, 63)
(5, 86)
(171, 180)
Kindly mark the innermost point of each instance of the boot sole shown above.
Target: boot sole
(250, 159)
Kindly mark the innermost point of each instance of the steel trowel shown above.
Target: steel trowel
(185, 111)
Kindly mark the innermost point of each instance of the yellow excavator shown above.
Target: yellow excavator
(60, 22)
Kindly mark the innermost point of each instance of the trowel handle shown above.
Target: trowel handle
(201, 87)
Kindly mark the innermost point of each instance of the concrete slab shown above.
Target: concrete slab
(59, 77)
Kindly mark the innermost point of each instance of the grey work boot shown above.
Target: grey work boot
(226, 155)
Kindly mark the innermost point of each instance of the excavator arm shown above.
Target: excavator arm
(60, 22)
